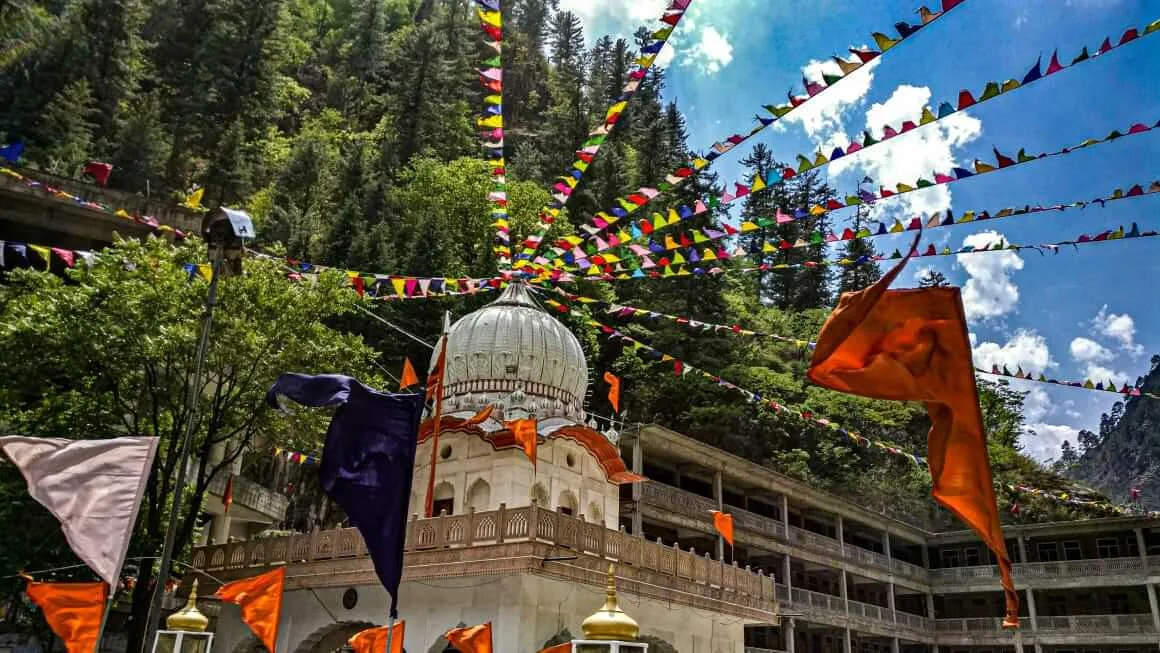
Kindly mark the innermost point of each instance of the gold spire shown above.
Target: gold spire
(610, 623)
(189, 618)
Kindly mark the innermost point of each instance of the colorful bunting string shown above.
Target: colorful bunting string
(588, 152)
(861, 57)
(644, 227)
(16, 254)
(148, 221)
(387, 287)
(1086, 384)
(688, 245)
(296, 457)
(1070, 499)
(492, 127)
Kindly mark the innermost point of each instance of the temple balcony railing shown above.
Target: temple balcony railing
(833, 610)
(1077, 628)
(700, 508)
(966, 578)
(683, 574)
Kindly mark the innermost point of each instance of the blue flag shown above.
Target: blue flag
(367, 461)
(11, 152)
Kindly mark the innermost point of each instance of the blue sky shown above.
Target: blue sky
(1075, 314)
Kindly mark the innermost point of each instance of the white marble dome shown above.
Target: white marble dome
(513, 354)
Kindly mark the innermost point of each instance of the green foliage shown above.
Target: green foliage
(109, 351)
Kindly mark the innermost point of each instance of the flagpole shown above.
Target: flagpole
(441, 366)
(105, 616)
(390, 633)
(154, 615)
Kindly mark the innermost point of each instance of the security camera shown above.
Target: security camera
(225, 232)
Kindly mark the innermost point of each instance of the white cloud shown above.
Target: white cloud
(916, 154)
(1042, 441)
(1101, 374)
(711, 52)
(1026, 349)
(1121, 328)
(822, 117)
(990, 292)
(1037, 405)
(1084, 350)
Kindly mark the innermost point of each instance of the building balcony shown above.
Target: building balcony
(256, 503)
(1065, 573)
(1079, 629)
(757, 530)
(819, 607)
(503, 542)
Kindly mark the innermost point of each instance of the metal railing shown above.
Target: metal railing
(1078, 625)
(1069, 568)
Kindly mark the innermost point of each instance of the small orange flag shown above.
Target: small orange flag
(72, 610)
(723, 522)
(476, 639)
(613, 382)
(524, 431)
(478, 418)
(260, 598)
(566, 647)
(409, 377)
(912, 345)
(374, 640)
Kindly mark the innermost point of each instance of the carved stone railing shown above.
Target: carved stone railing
(698, 507)
(1064, 568)
(252, 495)
(506, 525)
(1108, 624)
(801, 599)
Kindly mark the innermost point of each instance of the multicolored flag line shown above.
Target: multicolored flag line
(491, 126)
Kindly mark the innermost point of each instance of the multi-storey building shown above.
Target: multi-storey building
(528, 548)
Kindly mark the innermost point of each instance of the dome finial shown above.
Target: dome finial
(189, 618)
(610, 623)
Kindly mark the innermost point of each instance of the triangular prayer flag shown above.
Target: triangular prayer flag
(409, 377)
(260, 599)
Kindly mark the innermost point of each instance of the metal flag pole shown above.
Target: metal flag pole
(390, 633)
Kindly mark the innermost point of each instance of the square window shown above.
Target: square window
(1048, 551)
(971, 556)
(1072, 550)
(1108, 547)
(949, 557)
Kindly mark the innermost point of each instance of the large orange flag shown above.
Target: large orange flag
(260, 598)
(476, 639)
(912, 345)
(723, 522)
(374, 640)
(525, 433)
(613, 382)
(72, 610)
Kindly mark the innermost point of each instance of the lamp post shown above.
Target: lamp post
(224, 231)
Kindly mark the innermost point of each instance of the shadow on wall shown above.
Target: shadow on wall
(441, 645)
(658, 645)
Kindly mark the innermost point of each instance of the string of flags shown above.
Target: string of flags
(48, 189)
(1086, 384)
(588, 152)
(296, 457)
(686, 244)
(1072, 499)
(686, 247)
(16, 254)
(491, 124)
(386, 287)
(605, 220)
(682, 270)
(860, 57)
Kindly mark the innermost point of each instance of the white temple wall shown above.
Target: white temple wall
(509, 477)
(525, 611)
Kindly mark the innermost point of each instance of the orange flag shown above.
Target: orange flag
(476, 639)
(478, 418)
(260, 598)
(566, 647)
(723, 522)
(524, 431)
(374, 640)
(72, 610)
(613, 382)
(912, 345)
(409, 377)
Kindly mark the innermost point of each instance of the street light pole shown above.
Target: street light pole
(191, 405)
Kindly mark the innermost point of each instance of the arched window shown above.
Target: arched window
(444, 499)
(568, 503)
(479, 496)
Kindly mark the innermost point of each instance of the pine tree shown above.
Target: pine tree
(66, 131)
(761, 209)
(864, 271)
(228, 176)
(142, 150)
(933, 279)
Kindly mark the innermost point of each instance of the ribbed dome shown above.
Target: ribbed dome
(513, 347)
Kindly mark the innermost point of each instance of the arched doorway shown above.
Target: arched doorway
(332, 637)
(568, 503)
(479, 496)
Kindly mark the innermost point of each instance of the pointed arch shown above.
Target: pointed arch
(331, 637)
(478, 496)
(568, 503)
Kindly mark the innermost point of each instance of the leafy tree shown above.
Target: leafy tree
(933, 279)
(65, 131)
(114, 356)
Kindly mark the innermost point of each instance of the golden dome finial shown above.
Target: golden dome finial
(189, 618)
(610, 623)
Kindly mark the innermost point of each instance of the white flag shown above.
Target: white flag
(93, 487)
